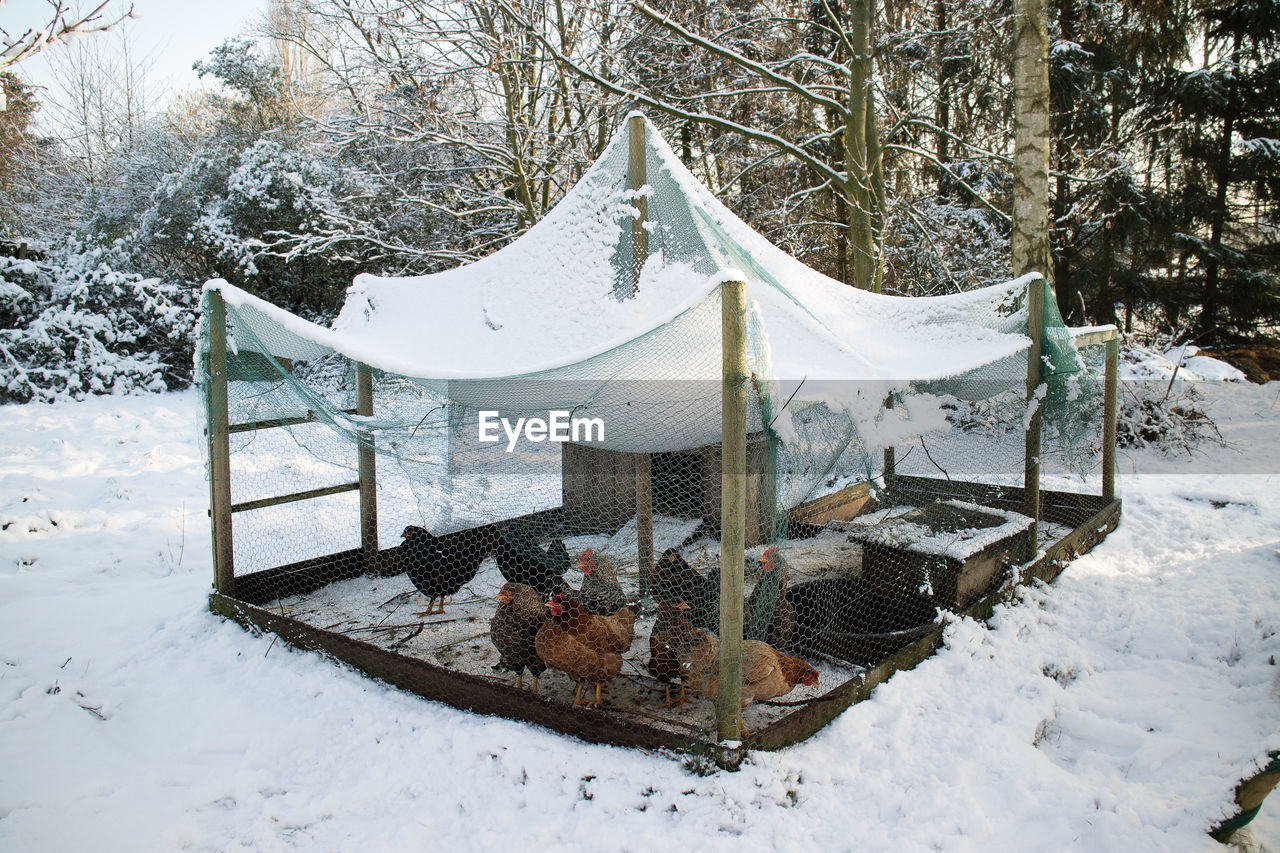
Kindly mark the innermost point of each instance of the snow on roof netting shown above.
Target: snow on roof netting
(557, 306)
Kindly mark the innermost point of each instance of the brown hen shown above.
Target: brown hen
(767, 672)
(583, 646)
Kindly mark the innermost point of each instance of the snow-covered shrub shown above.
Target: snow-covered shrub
(1157, 407)
(74, 325)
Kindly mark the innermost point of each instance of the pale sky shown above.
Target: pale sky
(175, 33)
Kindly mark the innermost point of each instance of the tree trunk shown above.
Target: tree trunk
(1067, 286)
(1212, 297)
(875, 176)
(1029, 242)
(942, 110)
(856, 160)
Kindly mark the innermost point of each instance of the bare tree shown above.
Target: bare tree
(103, 101)
(63, 25)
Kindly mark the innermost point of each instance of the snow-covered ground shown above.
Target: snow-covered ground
(1112, 711)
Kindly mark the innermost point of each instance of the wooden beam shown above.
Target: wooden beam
(254, 426)
(644, 519)
(216, 412)
(733, 504)
(1094, 337)
(488, 695)
(837, 506)
(638, 170)
(263, 503)
(366, 465)
(1035, 374)
(1109, 414)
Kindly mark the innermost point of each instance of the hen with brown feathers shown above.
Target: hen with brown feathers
(586, 647)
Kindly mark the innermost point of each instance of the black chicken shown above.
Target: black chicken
(438, 570)
(671, 633)
(674, 578)
(521, 561)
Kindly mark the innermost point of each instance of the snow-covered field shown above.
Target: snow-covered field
(1114, 710)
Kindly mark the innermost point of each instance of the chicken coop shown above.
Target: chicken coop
(640, 476)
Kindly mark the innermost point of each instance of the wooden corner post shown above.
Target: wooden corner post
(733, 504)
(218, 433)
(367, 469)
(1035, 375)
(1109, 410)
(637, 170)
(644, 519)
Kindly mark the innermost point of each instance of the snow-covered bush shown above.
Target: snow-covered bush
(74, 324)
(1157, 407)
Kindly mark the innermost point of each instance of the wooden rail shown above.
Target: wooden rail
(1094, 337)
(271, 423)
(325, 491)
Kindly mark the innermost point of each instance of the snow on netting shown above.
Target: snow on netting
(541, 435)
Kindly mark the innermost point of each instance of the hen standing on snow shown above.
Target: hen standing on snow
(520, 614)
(438, 570)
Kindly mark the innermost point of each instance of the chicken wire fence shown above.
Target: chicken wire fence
(558, 534)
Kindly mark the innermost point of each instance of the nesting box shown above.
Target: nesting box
(954, 549)
(599, 487)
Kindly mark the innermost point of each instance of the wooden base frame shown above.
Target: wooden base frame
(486, 696)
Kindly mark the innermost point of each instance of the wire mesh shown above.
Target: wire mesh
(557, 532)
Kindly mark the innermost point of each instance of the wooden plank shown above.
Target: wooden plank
(1094, 337)
(262, 503)
(1249, 796)
(1109, 414)
(638, 170)
(1031, 458)
(366, 466)
(216, 407)
(843, 505)
(1057, 507)
(733, 503)
(253, 426)
(479, 694)
(491, 696)
(644, 519)
(598, 487)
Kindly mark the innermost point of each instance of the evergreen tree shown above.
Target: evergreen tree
(1225, 118)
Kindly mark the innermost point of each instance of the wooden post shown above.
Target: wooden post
(638, 170)
(367, 467)
(733, 504)
(890, 455)
(216, 430)
(1031, 468)
(1109, 390)
(639, 176)
(644, 519)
